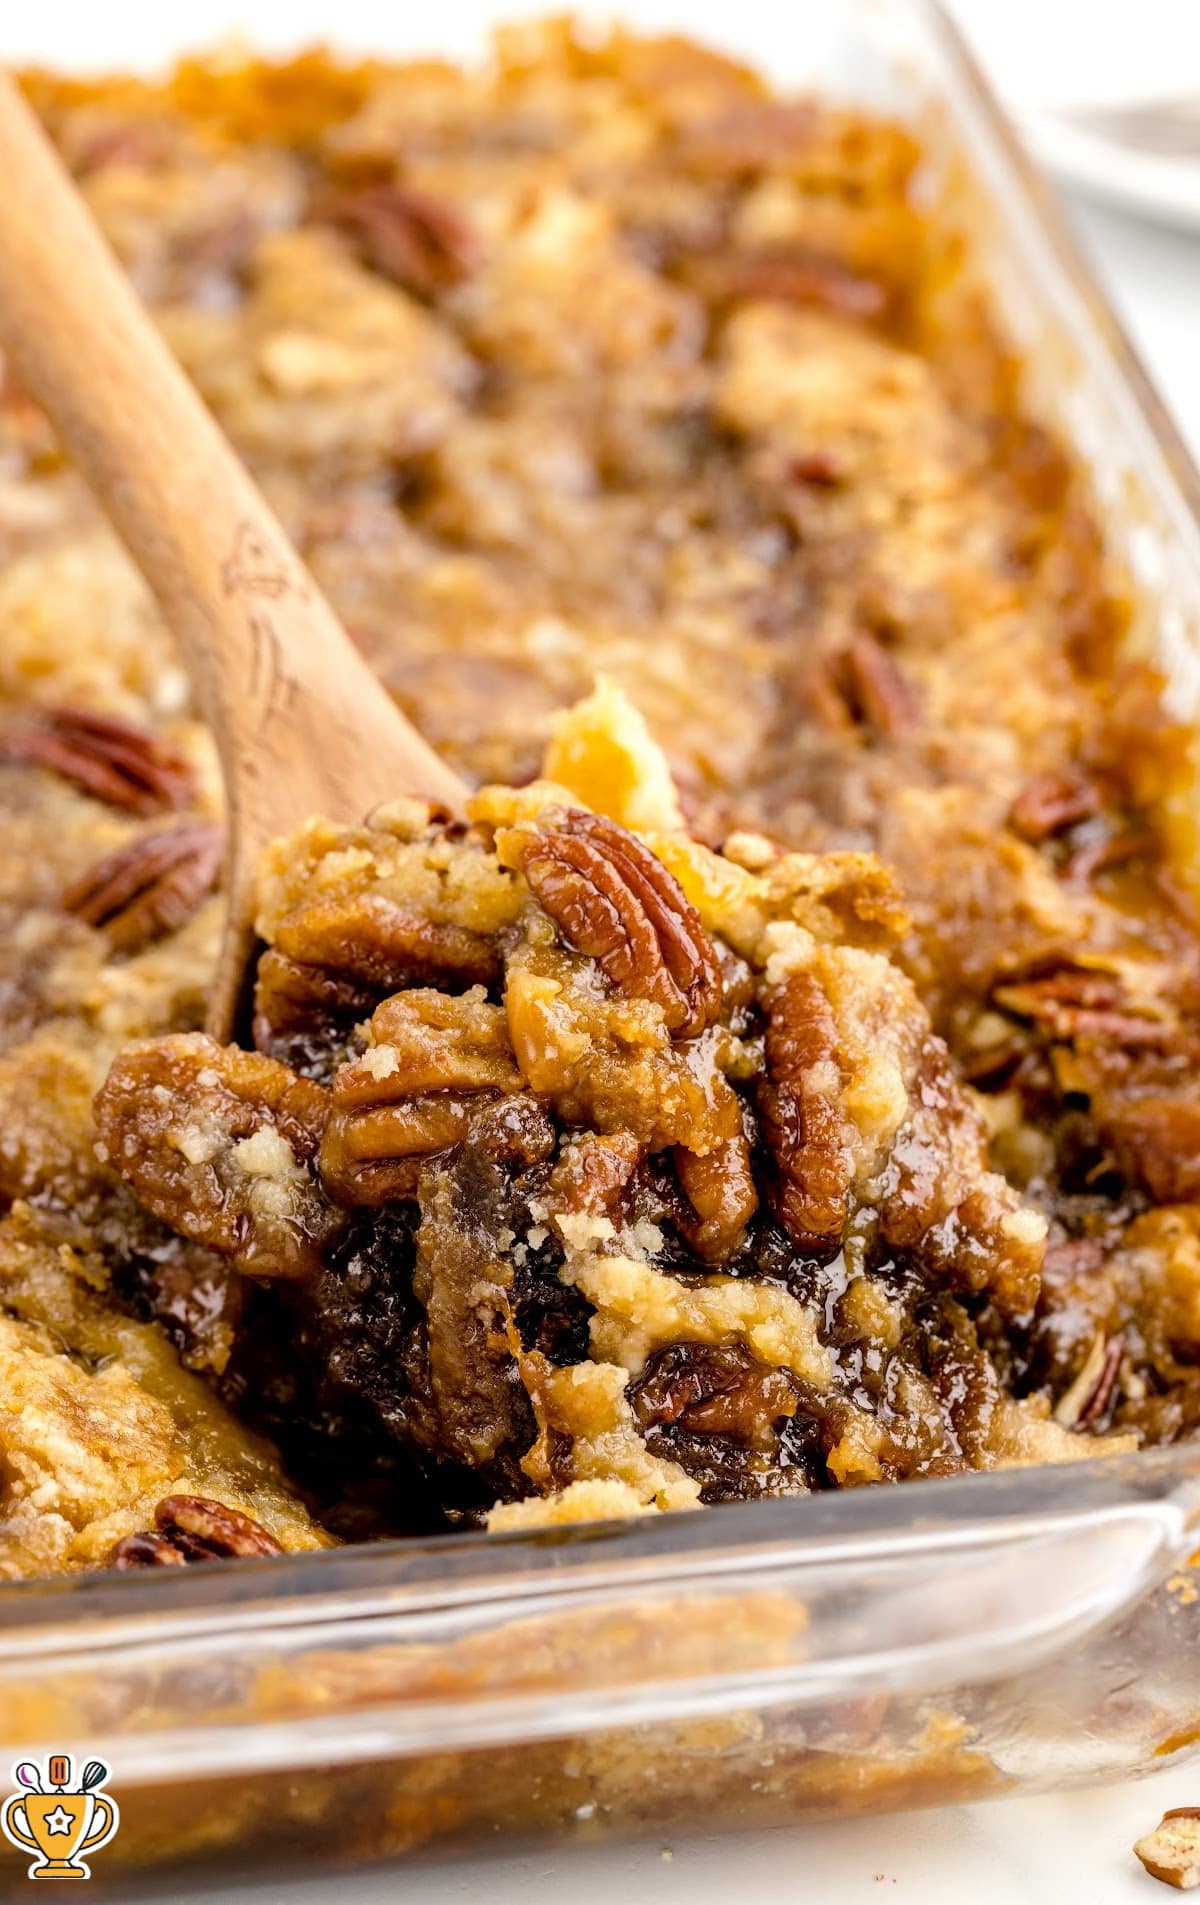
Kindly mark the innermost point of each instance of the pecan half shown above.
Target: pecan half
(192, 1528)
(463, 1279)
(873, 687)
(722, 1194)
(1098, 1403)
(141, 146)
(126, 766)
(434, 1061)
(713, 1391)
(993, 1068)
(224, 247)
(749, 137)
(802, 1122)
(220, 1144)
(1074, 1257)
(616, 902)
(149, 887)
(146, 1550)
(407, 235)
(786, 274)
(822, 468)
(1078, 1003)
(1053, 802)
(335, 958)
(304, 1015)
(593, 1175)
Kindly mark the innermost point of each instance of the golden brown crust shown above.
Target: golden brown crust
(101, 1422)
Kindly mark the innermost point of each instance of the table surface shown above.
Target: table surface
(1060, 1850)
(1045, 1851)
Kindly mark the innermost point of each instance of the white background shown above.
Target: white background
(1066, 1850)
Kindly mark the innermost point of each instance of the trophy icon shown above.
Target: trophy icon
(57, 1821)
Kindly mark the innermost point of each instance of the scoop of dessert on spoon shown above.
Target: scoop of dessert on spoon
(301, 724)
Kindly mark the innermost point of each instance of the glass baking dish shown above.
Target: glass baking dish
(873, 1649)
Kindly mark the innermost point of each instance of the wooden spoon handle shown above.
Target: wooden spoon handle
(301, 722)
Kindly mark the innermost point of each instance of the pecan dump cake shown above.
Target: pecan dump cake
(784, 1077)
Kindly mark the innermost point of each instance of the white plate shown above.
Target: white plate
(1056, 61)
(1149, 184)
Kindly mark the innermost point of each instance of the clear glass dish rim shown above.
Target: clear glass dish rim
(801, 1535)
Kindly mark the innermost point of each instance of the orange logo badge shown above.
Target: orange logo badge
(58, 1820)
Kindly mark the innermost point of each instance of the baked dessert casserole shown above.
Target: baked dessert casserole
(783, 1077)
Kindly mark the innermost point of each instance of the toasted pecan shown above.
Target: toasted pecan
(336, 957)
(876, 691)
(785, 274)
(125, 766)
(593, 1174)
(408, 235)
(615, 901)
(146, 1549)
(1051, 803)
(1098, 1403)
(220, 1143)
(749, 136)
(722, 1196)
(1082, 1003)
(711, 1390)
(801, 1117)
(150, 886)
(435, 1059)
(193, 1528)
(1156, 1140)
(305, 1015)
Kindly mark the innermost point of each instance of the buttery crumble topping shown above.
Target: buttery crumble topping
(663, 1212)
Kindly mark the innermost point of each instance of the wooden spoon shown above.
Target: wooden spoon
(301, 723)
